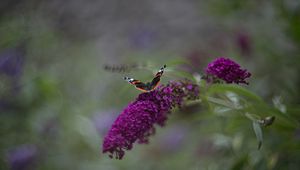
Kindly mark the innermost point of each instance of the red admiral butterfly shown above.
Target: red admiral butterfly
(146, 87)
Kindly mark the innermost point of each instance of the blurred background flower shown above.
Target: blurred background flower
(173, 140)
(142, 38)
(11, 69)
(22, 157)
(103, 121)
(243, 42)
(11, 62)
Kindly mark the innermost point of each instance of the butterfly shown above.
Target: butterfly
(149, 86)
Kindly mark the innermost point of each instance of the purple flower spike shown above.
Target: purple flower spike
(227, 70)
(136, 122)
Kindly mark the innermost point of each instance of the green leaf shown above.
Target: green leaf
(223, 88)
(220, 102)
(258, 133)
(252, 117)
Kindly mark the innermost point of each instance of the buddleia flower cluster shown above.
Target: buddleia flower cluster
(136, 122)
(227, 70)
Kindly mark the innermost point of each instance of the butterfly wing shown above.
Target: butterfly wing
(149, 86)
(154, 83)
(138, 84)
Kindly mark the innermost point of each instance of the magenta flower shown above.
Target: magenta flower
(227, 70)
(136, 122)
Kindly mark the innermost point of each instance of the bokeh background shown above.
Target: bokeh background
(61, 86)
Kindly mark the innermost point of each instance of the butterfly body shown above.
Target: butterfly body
(149, 86)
